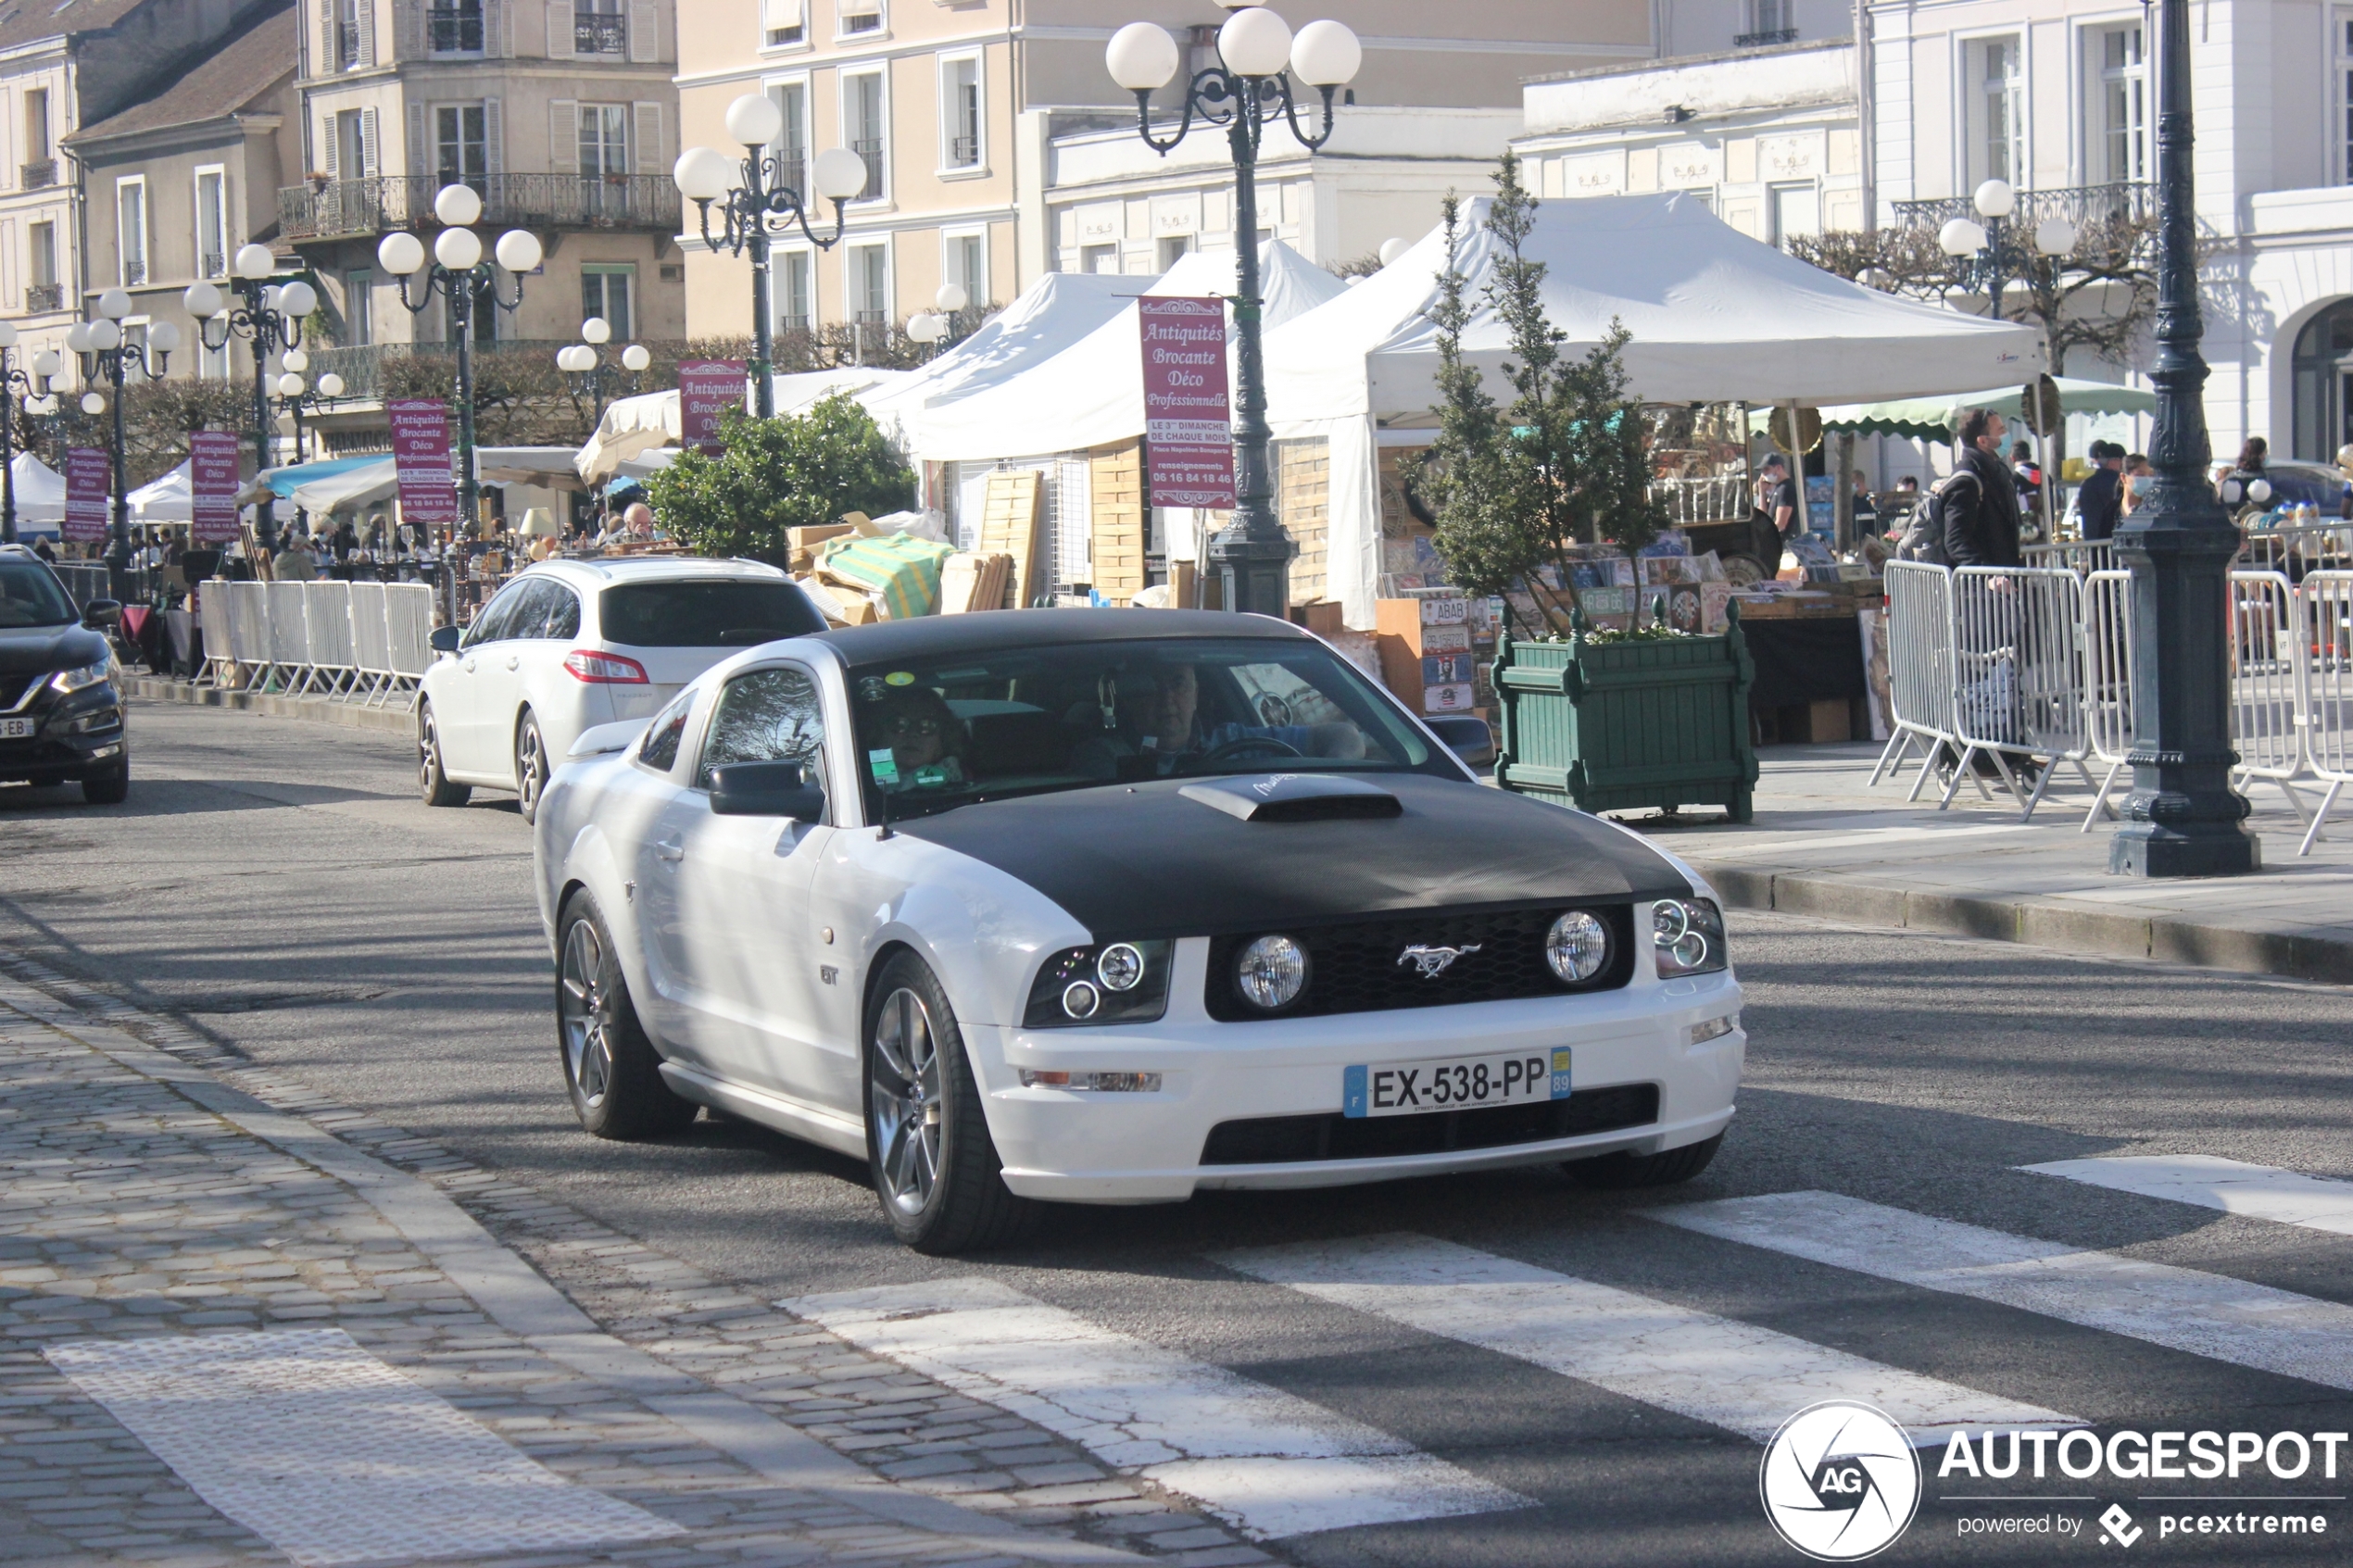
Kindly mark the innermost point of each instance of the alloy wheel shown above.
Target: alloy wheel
(530, 767)
(428, 752)
(904, 1092)
(583, 1015)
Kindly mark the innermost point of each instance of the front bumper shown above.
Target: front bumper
(1122, 1148)
(80, 735)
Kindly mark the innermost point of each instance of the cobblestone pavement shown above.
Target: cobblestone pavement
(156, 1184)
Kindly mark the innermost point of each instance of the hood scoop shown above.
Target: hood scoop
(1295, 797)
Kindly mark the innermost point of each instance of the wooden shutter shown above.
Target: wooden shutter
(421, 158)
(564, 135)
(334, 150)
(498, 38)
(559, 29)
(329, 62)
(647, 118)
(645, 29)
(368, 154)
(409, 41)
(367, 32)
(493, 136)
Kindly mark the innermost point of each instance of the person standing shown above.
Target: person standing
(2101, 501)
(1982, 512)
(296, 563)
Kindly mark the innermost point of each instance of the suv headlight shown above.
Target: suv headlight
(88, 675)
(1687, 936)
(1113, 983)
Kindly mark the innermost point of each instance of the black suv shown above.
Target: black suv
(60, 716)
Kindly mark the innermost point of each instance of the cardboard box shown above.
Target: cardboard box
(1322, 617)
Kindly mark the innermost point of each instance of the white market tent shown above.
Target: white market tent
(1051, 315)
(367, 483)
(169, 499)
(1715, 317)
(1936, 419)
(40, 494)
(650, 420)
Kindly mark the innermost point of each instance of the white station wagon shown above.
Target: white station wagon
(567, 645)
(1110, 907)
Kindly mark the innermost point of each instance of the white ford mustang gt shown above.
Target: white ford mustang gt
(1107, 906)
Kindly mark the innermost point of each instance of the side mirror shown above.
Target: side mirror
(766, 789)
(444, 639)
(102, 614)
(1466, 737)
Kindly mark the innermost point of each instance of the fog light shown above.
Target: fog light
(1715, 1028)
(1080, 1000)
(1093, 1082)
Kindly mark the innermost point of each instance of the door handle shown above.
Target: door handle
(669, 849)
(470, 664)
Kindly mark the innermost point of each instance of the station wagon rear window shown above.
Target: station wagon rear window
(716, 613)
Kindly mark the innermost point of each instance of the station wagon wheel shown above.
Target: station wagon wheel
(433, 784)
(611, 1069)
(927, 1142)
(531, 766)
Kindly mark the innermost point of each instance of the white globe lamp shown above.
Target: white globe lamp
(458, 205)
(596, 329)
(635, 358)
(1254, 43)
(255, 262)
(1960, 237)
(703, 174)
(202, 300)
(458, 249)
(400, 254)
(755, 121)
(1141, 56)
(1326, 54)
(838, 175)
(519, 251)
(1994, 200)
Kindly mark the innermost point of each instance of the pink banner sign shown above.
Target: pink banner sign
(706, 388)
(89, 482)
(212, 485)
(1188, 440)
(421, 462)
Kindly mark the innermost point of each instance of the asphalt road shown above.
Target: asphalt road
(278, 884)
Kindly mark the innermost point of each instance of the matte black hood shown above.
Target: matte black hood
(1142, 860)
(31, 649)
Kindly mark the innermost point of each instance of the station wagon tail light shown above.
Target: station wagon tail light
(604, 668)
(1112, 983)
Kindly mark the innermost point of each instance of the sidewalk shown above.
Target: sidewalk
(239, 1324)
(1824, 843)
(392, 714)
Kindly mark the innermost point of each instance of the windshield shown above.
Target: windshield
(936, 735)
(715, 613)
(31, 596)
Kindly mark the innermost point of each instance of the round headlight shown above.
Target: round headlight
(1690, 950)
(1121, 967)
(1080, 1000)
(1577, 946)
(1271, 972)
(1670, 921)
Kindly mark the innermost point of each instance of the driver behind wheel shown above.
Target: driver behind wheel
(1156, 715)
(923, 743)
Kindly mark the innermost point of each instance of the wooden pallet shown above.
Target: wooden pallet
(1009, 527)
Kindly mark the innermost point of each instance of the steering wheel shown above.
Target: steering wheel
(1241, 746)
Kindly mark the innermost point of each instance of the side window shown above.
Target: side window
(498, 617)
(659, 750)
(766, 716)
(562, 620)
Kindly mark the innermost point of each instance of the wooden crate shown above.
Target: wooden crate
(1303, 499)
(1009, 527)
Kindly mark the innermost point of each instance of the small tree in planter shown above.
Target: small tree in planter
(1567, 462)
(772, 475)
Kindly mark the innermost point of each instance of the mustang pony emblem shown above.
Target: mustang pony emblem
(1434, 962)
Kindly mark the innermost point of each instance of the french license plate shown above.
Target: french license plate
(1415, 1088)
(16, 729)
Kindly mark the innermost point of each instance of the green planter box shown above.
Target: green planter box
(1610, 726)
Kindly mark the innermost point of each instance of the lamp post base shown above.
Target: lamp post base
(1254, 573)
(2152, 849)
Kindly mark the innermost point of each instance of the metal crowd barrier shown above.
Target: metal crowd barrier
(2324, 635)
(363, 641)
(2266, 683)
(1919, 667)
(2107, 680)
(2076, 555)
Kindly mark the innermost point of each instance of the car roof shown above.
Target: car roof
(666, 568)
(932, 636)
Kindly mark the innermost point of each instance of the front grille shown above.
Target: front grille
(1279, 1140)
(1360, 967)
(12, 689)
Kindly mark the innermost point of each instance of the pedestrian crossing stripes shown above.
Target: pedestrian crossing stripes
(1729, 1373)
(2211, 1315)
(2263, 1192)
(1268, 1461)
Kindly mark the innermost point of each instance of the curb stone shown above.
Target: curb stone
(2055, 927)
(395, 717)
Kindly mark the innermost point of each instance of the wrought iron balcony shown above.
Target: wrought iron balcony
(135, 271)
(45, 296)
(350, 208)
(216, 265)
(1759, 39)
(963, 152)
(2084, 206)
(455, 30)
(595, 34)
(39, 175)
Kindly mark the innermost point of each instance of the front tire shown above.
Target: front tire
(109, 788)
(531, 766)
(611, 1069)
(434, 785)
(935, 1166)
(1625, 1169)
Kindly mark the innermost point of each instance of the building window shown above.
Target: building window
(1797, 212)
(1174, 248)
(352, 149)
(965, 263)
(2121, 150)
(358, 309)
(42, 292)
(859, 18)
(862, 110)
(599, 27)
(1098, 259)
(960, 111)
(869, 268)
(454, 27)
(604, 158)
(792, 141)
(212, 223)
(130, 231)
(460, 145)
(1997, 110)
(784, 23)
(795, 307)
(40, 159)
(347, 53)
(1770, 21)
(606, 289)
(2343, 31)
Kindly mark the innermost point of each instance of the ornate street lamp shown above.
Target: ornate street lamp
(587, 373)
(2183, 818)
(756, 207)
(268, 316)
(1992, 255)
(16, 385)
(107, 354)
(458, 274)
(934, 327)
(298, 396)
(1244, 92)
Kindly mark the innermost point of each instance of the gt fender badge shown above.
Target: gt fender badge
(1432, 963)
(828, 973)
